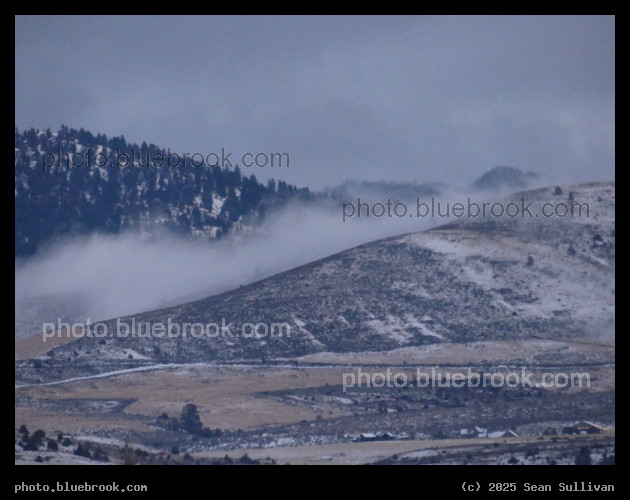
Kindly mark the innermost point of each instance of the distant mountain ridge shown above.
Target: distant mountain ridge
(205, 202)
(396, 191)
(505, 177)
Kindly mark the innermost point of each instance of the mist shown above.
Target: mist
(106, 276)
(100, 277)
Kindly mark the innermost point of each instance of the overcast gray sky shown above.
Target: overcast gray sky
(368, 98)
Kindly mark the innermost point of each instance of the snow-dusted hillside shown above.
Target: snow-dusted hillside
(471, 280)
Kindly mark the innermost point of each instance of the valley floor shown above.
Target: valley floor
(304, 410)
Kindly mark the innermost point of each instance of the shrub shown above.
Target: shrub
(532, 452)
(39, 435)
(248, 461)
(206, 432)
(31, 445)
(583, 457)
(82, 451)
(190, 419)
(100, 455)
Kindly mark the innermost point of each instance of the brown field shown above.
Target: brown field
(232, 397)
(226, 396)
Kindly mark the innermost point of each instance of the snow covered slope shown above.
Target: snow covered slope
(471, 280)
